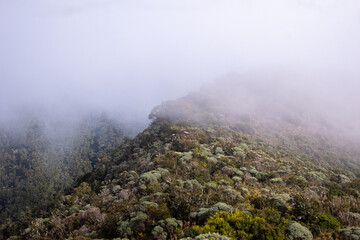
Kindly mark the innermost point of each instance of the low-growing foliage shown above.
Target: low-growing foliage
(241, 225)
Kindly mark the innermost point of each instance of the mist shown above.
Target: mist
(65, 59)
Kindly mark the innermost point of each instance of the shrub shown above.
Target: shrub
(238, 152)
(171, 225)
(297, 181)
(134, 226)
(240, 225)
(208, 236)
(276, 180)
(305, 210)
(280, 201)
(152, 177)
(158, 233)
(219, 150)
(296, 231)
(231, 171)
(327, 222)
(203, 213)
(340, 178)
(350, 233)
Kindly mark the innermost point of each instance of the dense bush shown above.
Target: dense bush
(327, 222)
(175, 181)
(296, 231)
(241, 225)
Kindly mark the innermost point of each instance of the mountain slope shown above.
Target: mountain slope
(36, 167)
(200, 168)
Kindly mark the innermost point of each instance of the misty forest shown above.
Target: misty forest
(180, 119)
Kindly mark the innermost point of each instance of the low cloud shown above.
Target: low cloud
(67, 58)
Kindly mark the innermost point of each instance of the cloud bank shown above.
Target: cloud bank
(125, 57)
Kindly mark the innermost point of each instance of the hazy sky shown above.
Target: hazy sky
(128, 56)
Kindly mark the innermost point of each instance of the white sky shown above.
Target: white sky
(128, 56)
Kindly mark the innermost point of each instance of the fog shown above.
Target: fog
(64, 59)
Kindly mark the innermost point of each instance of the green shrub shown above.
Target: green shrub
(327, 222)
(305, 210)
(280, 202)
(203, 213)
(208, 236)
(231, 171)
(240, 225)
(296, 231)
(159, 233)
(172, 226)
(350, 233)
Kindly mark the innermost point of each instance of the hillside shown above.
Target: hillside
(38, 163)
(204, 170)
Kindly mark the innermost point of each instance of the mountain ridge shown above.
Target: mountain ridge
(196, 173)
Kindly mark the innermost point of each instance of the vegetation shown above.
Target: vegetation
(35, 167)
(241, 225)
(208, 180)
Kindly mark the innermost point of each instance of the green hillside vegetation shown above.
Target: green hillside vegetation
(200, 171)
(35, 168)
